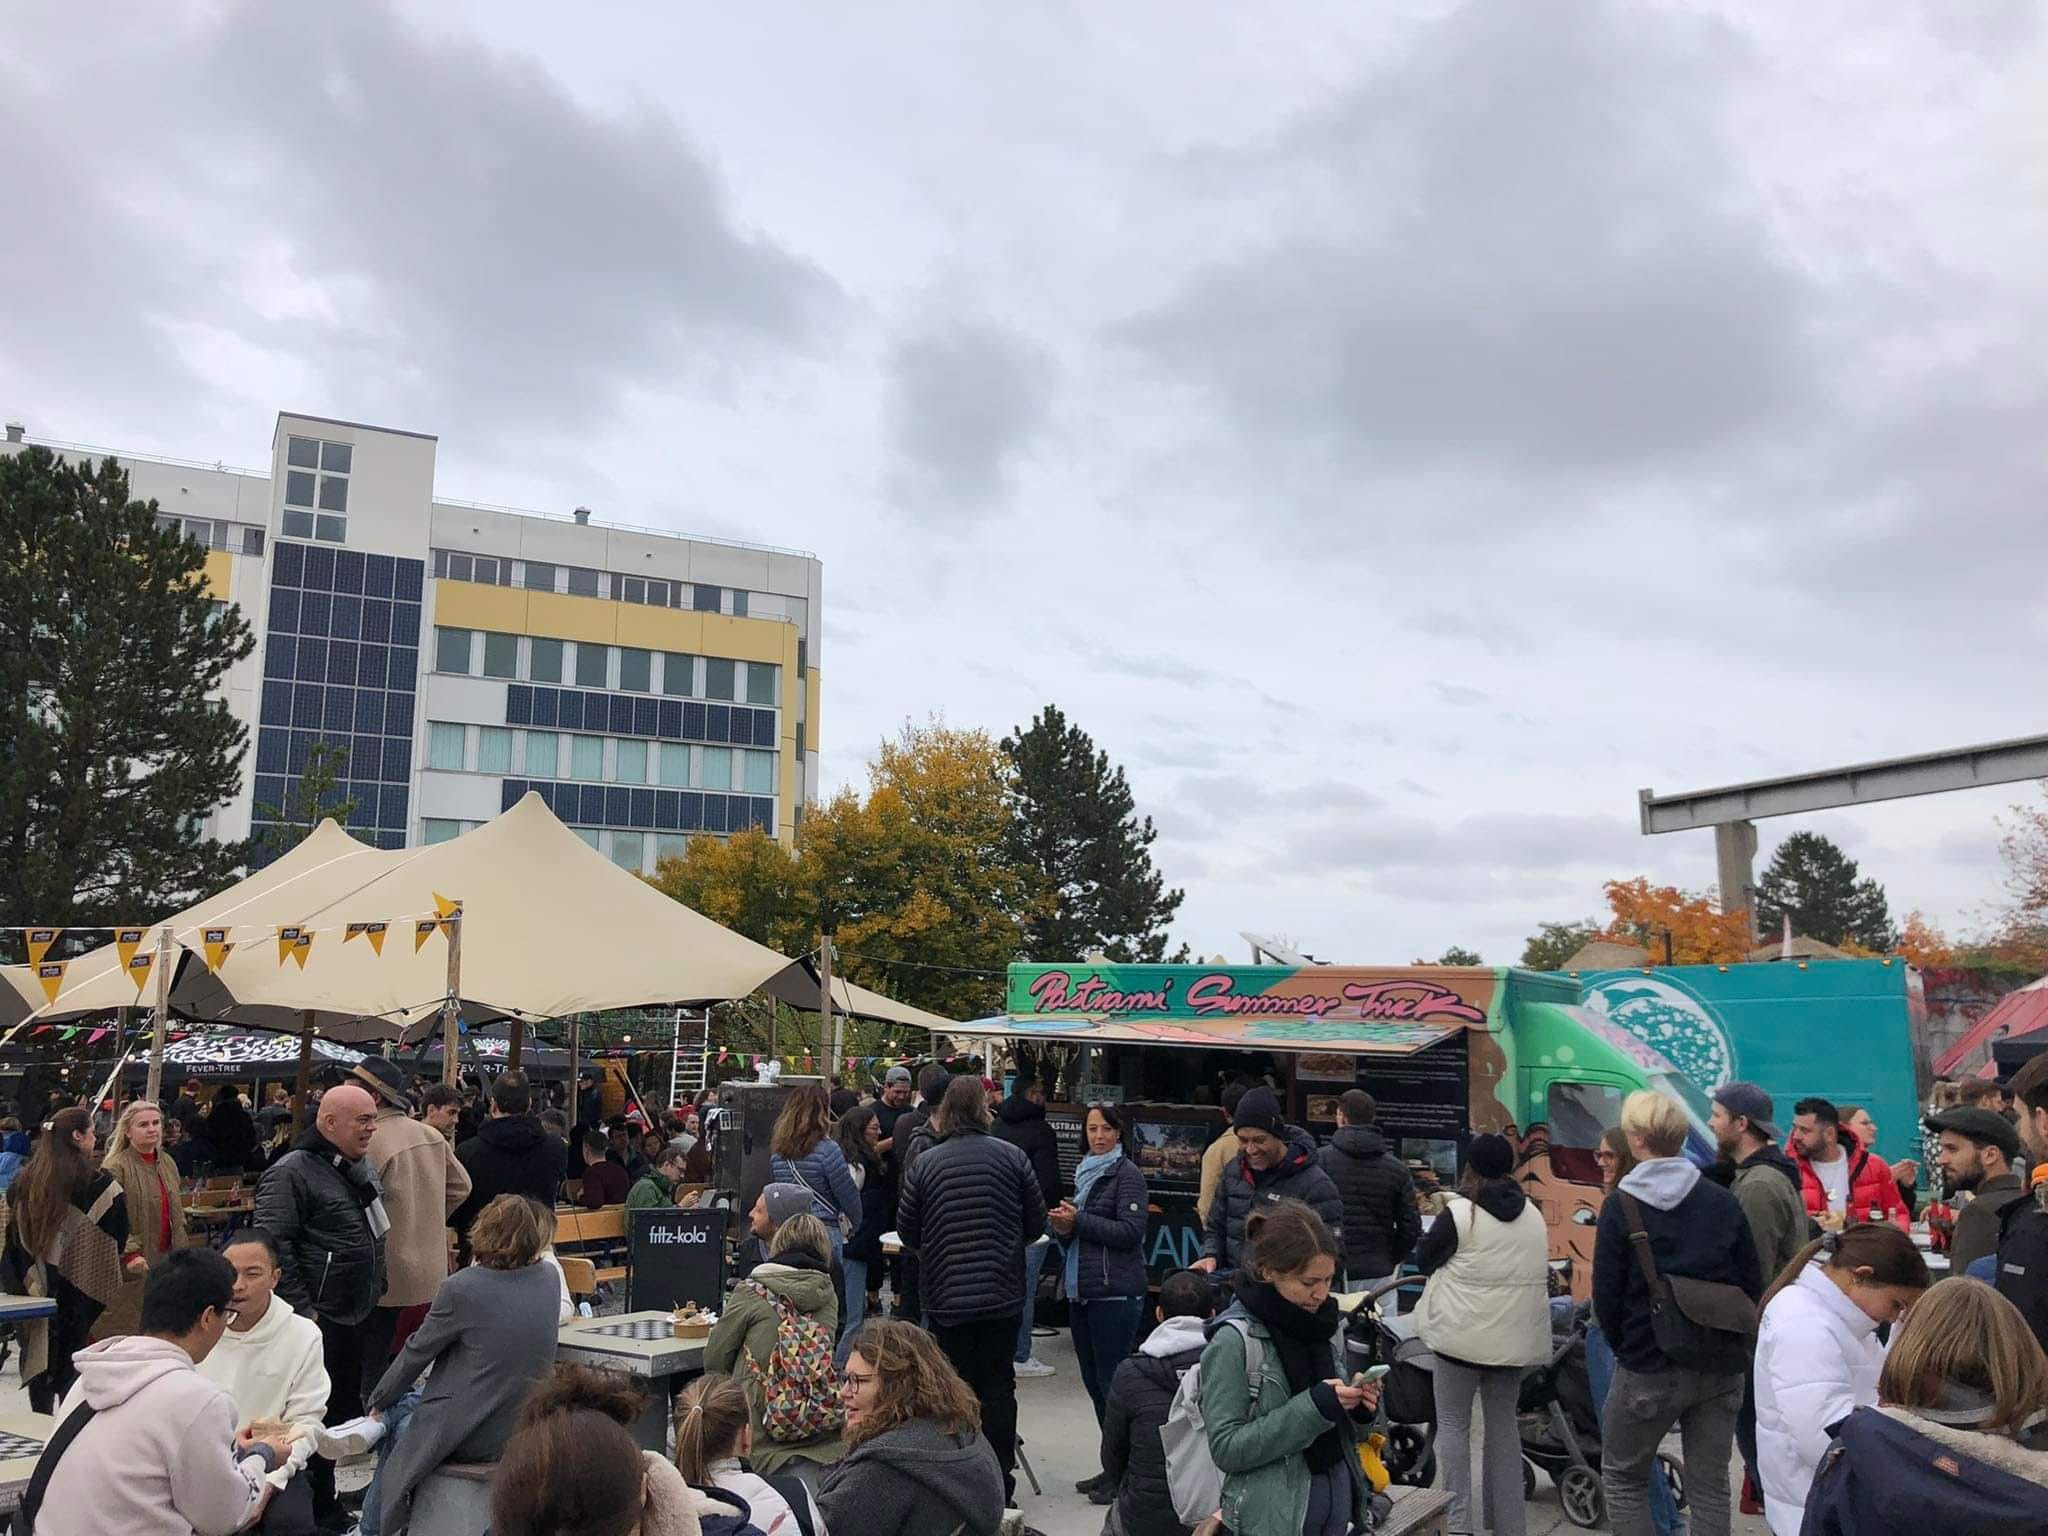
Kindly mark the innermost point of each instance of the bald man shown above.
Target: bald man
(323, 1208)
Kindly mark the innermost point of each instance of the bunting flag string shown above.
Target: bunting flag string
(218, 947)
(39, 942)
(374, 932)
(51, 974)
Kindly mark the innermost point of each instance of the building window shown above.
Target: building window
(759, 768)
(739, 602)
(546, 665)
(675, 765)
(802, 656)
(444, 745)
(582, 582)
(678, 672)
(586, 757)
(252, 542)
(718, 768)
(588, 834)
(657, 594)
(718, 678)
(494, 750)
(501, 655)
(631, 762)
(539, 577)
(705, 599)
(669, 845)
(593, 663)
(451, 650)
(438, 829)
(627, 848)
(636, 669)
(316, 489)
(543, 755)
(762, 680)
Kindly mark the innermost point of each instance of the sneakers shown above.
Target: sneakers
(1034, 1367)
(356, 1437)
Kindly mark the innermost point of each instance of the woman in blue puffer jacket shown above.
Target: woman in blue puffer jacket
(1103, 1226)
(803, 1152)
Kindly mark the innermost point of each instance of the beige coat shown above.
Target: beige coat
(423, 1184)
(140, 1185)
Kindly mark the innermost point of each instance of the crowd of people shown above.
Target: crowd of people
(1772, 1304)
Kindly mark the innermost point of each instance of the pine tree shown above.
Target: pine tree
(115, 744)
(1817, 885)
(317, 796)
(1078, 828)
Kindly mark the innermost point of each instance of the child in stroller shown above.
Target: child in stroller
(1560, 1430)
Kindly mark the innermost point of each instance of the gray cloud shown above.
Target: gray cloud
(967, 399)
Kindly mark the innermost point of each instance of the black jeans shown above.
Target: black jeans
(378, 1330)
(983, 1353)
(341, 1350)
(290, 1510)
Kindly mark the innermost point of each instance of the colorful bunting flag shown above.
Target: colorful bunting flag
(138, 969)
(448, 911)
(39, 942)
(287, 941)
(422, 931)
(372, 931)
(51, 974)
(217, 947)
(302, 946)
(96, 1036)
(127, 941)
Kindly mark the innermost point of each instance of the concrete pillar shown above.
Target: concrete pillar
(1735, 867)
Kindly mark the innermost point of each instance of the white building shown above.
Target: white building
(650, 686)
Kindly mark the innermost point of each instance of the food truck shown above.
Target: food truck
(1445, 1051)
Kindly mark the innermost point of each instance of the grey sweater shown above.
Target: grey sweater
(915, 1480)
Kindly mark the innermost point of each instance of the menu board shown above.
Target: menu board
(1068, 1136)
(1420, 1095)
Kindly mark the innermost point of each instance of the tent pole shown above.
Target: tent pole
(450, 1010)
(837, 1025)
(518, 1039)
(305, 1077)
(163, 1015)
(120, 1056)
(575, 1082)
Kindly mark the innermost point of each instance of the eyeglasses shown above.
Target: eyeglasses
(853, 1381)
(229, 1316)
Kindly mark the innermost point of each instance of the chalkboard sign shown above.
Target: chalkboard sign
(677, 1255)
(1069, 1141)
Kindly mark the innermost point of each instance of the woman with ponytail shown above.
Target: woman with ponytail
(1818, 1355)
(713, 1436)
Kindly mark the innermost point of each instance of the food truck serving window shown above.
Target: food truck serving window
(1580, 1112)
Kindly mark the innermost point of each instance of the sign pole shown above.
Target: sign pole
(451, 1009)
(833, 1021)
(163, 1015)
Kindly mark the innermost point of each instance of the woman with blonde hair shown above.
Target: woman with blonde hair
(156, 1207)
(917, 1464)
(714, 1432)
(1962, 1396)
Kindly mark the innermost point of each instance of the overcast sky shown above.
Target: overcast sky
(1398, 433)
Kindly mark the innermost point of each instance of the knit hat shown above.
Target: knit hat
(785, 1201)
(898, 1075)
(1259, 1110)
(1491, 1157)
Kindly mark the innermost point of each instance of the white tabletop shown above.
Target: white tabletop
(583, 1341)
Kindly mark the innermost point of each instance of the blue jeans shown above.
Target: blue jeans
(395, 1419)
(1104, 1332)
(856, 1272)
(1600, 1374)
(1034, 1266)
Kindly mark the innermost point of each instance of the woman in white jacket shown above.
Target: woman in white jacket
(1485, 1314)
(1818, 1354)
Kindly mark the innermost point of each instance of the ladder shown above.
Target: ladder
(688, 1066)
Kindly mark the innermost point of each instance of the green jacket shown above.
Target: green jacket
(1259, 1448)
(1775, 1208)
(747, 1328)
(651, 1189)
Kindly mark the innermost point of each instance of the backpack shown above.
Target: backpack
(1191, 1474)
(799, 1383)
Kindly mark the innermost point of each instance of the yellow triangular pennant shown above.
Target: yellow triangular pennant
(51, 975)
(422, 931)
(443, 907)
(127, 941)
(39, 942)
(302, 946)
(217, 947)
(138, 969)
(373, 931)
(286, 938)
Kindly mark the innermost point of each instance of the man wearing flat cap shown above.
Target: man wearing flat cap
(1978, 1150)
(423, 1184)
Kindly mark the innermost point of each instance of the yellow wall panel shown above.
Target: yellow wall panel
(471, 605)
(661, 629)
(811, 710)
(219, 575)
(748, 639)
(573, 618)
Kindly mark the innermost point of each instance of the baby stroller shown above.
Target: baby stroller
(1560, 1430)
(1407, 1391)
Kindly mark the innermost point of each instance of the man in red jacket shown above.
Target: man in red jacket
(1842, 1180)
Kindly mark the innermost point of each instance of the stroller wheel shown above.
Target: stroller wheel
(1674, 1474)
(1411, 1455)
(1579, 1491)
(1528, 1478)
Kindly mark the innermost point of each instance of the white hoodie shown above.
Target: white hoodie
(275, 1371)
(158, 1457)
(1175, 1336)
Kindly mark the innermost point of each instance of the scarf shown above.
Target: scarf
(1087, 1175)
(1303, 1340)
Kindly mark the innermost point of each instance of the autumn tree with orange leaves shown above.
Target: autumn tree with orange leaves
(1700, 932)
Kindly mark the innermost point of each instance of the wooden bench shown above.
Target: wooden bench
(599, 1236)
(1416, 1512)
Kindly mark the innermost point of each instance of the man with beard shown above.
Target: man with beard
(1978, 1147)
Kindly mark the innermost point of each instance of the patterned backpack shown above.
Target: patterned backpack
(799, 1383)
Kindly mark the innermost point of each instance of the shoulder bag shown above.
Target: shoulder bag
(1702, 1325)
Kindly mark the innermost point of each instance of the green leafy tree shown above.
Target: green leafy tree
(1455, 955)
(115, 744)
(1554, 943)
(317, 796)
(1076, 827)
(1818, 886)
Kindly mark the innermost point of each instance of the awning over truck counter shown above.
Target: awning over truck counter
(1241, 1032)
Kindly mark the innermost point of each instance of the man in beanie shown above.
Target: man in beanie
(423, 1184)
(775, 1205)
(1275, 1161)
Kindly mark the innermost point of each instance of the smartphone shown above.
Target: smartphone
(1367, 1377)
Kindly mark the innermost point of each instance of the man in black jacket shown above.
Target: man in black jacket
(1140, 1397)
(1020, 1120)
(969, 1206)
(1275, 1161)
(910, 1136)
(322, 1205)
(512, 1155)
(1381, 1219)
(2022, 1270)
